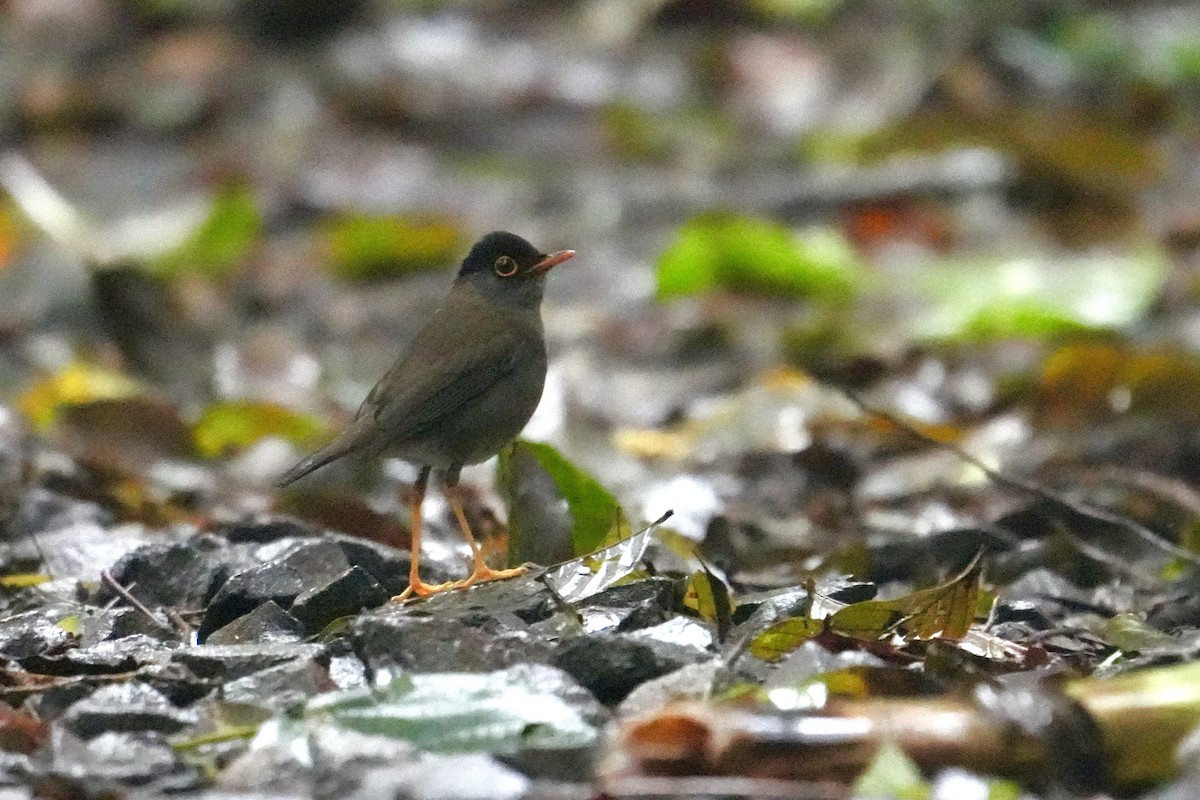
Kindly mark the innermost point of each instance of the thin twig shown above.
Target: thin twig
(106, 577)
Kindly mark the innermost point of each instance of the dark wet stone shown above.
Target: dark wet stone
(525, 598)
(182, 575)
(634, 605)
(105, 658)
(267, 623)
(231, 661)
(30, 634)
(348, 593)
(268, 529)
(104, 624)
(388, 565)
(310, 565)
(280, 688)
(126, 707)
(176, 682)
(611, 665)
(273, 582)
(395, 636)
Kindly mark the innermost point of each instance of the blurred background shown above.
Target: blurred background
(230, 214)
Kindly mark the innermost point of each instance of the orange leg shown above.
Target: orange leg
(482, 571)
(415, 584)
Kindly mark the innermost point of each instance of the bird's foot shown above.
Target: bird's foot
(483, 573)
(420, 588)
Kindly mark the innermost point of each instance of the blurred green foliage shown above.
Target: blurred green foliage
(380, 246)
(223, 242)
(723, 251)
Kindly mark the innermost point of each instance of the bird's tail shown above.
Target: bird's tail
(314, 461)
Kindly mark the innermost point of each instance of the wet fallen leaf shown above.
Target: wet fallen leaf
(235, 425)
(590, 574)
(78, 382)
(1080, 382)
(124, 434)
(785, 636)
(892, 774)
(994, 297)
(709, 597)
(945, 611)
(501, 712)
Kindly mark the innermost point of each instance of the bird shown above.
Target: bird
(462, 390)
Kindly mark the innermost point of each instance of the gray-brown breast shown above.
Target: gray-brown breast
(465, 387)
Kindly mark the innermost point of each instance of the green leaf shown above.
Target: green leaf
(237, 425)
(498, 712)
(222, 243)
(892, 775)
(708, 596)
(372, 247)
(785, 636)
(944, 611)
(744, 254)
(594, 516)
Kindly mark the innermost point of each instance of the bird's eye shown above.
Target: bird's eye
(505, 267)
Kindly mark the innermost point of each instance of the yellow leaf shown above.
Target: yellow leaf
(783, 637)
(78, 382)
(237, 425)
(945, 611)
(24, 579)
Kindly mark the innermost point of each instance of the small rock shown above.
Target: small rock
(388, 565)
(310, 565)
(611, 665)
(268, 529)
(126, 707)
(348, 593)
(394, 636)
(105, 658)
(98, 625)
(136, 759)
(631, 606)
(685, 632)
(267, 623)
(30, 634)
(182, 575)
(231, 661)
(280, 688)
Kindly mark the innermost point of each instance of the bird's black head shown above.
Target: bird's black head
(505, 266)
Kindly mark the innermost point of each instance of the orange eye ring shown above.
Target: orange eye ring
(505, 267)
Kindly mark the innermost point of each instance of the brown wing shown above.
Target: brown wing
(448, 364)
